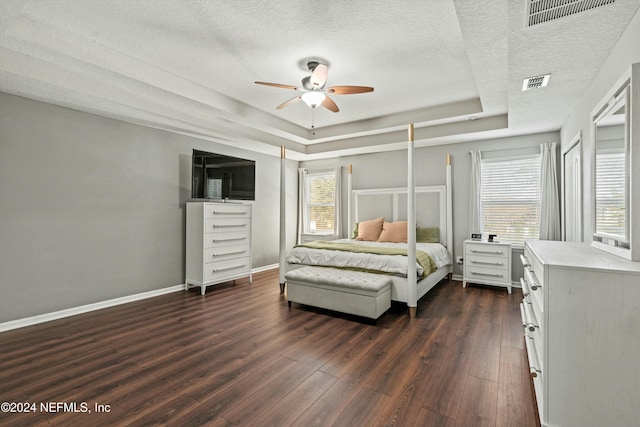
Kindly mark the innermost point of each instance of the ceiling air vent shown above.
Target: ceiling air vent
(535, 82)
(539, 11)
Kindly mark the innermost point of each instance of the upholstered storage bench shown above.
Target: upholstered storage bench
(346, 291)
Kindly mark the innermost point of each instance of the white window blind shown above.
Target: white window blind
(320, 202)
(610, 193)
(510, 194)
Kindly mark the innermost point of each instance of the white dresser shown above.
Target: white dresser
(487, 263)
(581, 317)
(218, 246)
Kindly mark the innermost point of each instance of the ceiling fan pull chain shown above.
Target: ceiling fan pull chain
(313, 121)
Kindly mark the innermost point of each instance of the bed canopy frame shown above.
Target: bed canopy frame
(445, 218)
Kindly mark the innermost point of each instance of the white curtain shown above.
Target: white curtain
(475, 205)
(337, 223)
(302, 185)
(549, 201)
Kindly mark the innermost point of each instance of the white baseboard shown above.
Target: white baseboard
(41, 318)
(459, 278)
(264, 268)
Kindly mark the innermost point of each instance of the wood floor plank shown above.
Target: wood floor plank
(240, 356)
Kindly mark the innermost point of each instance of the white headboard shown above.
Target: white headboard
(391, 203)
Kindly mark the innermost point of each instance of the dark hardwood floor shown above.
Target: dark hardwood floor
(240, 357)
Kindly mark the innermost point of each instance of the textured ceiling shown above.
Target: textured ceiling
(190, 66)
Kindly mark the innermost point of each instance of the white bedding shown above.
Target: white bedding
(392, 264)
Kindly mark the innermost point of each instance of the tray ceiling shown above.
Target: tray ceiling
(453, 67)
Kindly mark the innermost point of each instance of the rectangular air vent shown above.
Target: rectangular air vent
(539, 11)
(535, 82)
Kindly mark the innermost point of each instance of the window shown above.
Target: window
(610, 193)
(320, 198)
(510, 194)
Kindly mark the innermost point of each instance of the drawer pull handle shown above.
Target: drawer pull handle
(230, 213)
(525, 261)
(476, 251)
(487, 274)
(528, 320)
(529, 277)
(532, 356)
(228, 225)
(525, 287)
(228, 240)
(228, 253)
(215, 270)
(473, 261)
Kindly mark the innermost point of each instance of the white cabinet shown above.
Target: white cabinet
(581, 318)
(218, 246)
(487, 263)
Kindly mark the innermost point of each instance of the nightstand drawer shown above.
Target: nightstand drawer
(499, 263)
(487, 249)
(485, 274)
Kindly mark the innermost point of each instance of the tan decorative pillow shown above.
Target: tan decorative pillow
(370, 230)
(395, 232)
(428, 235)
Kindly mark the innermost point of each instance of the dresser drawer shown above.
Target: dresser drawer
(213, 225)
(222, 253)
(486, 249)
(218, 270)
(212, 240)
(223, 210)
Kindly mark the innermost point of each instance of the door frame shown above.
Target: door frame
(576, 142)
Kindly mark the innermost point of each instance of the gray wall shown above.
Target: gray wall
(93, 209)
(389, 169)
(625, 53)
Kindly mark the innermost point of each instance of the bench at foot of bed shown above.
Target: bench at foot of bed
(346, 291)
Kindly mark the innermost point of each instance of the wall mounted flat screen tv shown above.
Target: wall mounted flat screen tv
(216, 176)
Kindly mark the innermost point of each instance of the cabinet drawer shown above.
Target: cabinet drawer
(486, 274)
(535, 369)
(487, 249)
(216, 270)
(535, 290)
(230, 210)
(493, 262)
(226, 252)
(213, 225)
(212, 240)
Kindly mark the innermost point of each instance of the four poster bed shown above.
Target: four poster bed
(423, 213)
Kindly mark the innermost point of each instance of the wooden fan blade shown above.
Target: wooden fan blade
(330, 105)
(348, 90)
(319, 75)
(289, 102)
(278, 85)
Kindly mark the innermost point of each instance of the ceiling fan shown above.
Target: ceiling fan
(313, 91)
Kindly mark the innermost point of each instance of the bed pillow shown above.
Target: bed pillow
(354, 233)
(395, 232)
(370, 230)
(428, 234)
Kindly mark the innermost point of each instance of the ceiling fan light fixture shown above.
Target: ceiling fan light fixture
(313, 98)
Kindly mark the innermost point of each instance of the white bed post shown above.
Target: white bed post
(449, 213)
(283, 218)
(349, 195)
(412, 279)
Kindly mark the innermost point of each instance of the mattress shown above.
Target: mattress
(389, 264)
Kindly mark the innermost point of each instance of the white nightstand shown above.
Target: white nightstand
(487, 263)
